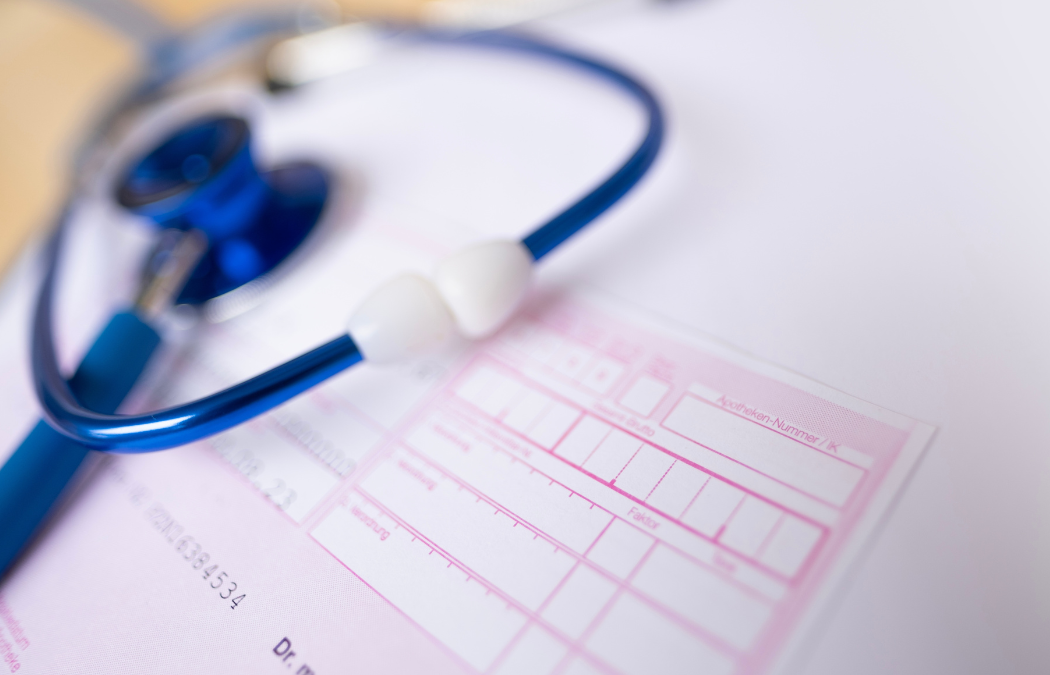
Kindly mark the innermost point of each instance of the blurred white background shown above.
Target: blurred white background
(857, 191)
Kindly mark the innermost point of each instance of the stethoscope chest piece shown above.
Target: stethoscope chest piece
(203, 177)
(227, 225)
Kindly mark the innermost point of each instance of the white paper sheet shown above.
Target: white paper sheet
(592, 490)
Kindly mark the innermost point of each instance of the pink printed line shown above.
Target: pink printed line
(736, 461)
(341, 491)
(664, 475)
(641, 562)
(385, 446)
(465, 569)
(577, 647)
(823, 556)
(777, 620)
(440, 645)
(769, 537)
(623, 584)
(452, 560)
(533, 423)
(814, 554)
(625, 465)
(707, 481)
(507, 648)
(560, 585)
(735, 556)
(531, 383)
(768, 428)
(598, 538)
(712, 640)
(591, 453)
(688, 527)
(729, 519)
(835, 420)
(463, 485)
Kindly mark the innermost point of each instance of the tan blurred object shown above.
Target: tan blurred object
(185, 12)
(56, 68)
(469, 12)
(59, 67)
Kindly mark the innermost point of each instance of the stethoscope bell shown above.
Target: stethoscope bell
(203, 178)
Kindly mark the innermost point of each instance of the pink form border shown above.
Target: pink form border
(816, 414)
(808, 410)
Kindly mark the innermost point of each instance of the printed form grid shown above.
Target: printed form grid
(556, 507)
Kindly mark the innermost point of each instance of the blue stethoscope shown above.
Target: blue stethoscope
(225, 224)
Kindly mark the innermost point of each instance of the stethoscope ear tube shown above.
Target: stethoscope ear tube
(172, 427)
(554, 232)
(79, 413)
(195, 420)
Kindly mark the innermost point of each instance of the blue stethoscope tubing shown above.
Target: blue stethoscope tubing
(186, 423)
(78, 413)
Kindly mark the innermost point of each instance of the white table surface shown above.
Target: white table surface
(858, 191)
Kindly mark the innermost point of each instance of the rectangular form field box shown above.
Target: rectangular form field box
(644, 471)
(440, 597)
(750, 526)
(578, 601)
(535, 415)
(496, 546)
(702, 596)
(670, 649)
(644, 395)
(620, 548)
(529, 495)
(612, 455)
(537, 652)
(526, 411)
(811, 471)
(552, 424)
(677, 488)
(582, 440)
(611, 525)
(790, 545)
(712, 507)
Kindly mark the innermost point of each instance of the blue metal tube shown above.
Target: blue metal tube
(554, 232)
(181, 424)
(186, 423)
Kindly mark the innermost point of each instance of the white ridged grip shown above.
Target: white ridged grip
(483, 284)
(404, 319)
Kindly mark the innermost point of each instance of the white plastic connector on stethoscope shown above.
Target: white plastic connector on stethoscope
(474, 292)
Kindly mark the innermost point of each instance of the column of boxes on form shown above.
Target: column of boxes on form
(457, 512)
(529, 530)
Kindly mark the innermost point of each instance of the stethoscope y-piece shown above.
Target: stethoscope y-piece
(203, 178)
(201, 185)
